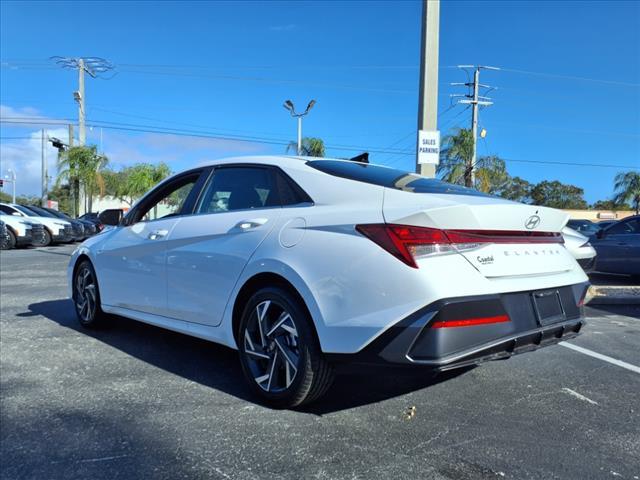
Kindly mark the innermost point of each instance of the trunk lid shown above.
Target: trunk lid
(490, 215)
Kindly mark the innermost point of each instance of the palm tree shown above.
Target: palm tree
(455, 157)
(627, 189)
(80, 167)
(311, 147)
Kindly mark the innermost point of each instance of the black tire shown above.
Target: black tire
(86, 303)
(10, 242)
(45, 241)
(267, 354)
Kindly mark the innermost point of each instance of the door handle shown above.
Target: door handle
(158, 234)
(251, 223)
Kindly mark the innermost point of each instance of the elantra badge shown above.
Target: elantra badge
(532, 222)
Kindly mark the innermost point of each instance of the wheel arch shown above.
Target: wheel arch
(268, 279)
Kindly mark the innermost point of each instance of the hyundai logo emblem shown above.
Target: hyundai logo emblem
(532, 222)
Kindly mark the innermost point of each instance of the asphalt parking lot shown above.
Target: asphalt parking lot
(134, 401)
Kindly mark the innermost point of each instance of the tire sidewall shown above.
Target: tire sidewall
(46, 238)
(305, 335)
(11, 242)
(97, 316)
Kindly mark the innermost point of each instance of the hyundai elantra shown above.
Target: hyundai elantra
(300, 263)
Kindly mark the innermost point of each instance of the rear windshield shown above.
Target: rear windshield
(389, 177)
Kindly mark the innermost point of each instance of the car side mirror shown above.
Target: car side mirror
(110, 217)
(600, 233)
(16, 214)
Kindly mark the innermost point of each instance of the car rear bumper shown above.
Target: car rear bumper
(429, 339)
(587, 264)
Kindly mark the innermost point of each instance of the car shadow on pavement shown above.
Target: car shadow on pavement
(218, 367)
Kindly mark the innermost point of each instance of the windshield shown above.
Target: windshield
(26, 211)
(41, 212)
(390, 177)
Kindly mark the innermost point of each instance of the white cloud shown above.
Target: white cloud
(23, 155)
(20, 149)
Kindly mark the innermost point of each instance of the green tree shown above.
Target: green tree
(133, 182)
(311, 147)
(20, 199)
(627, 189)
(455, 157)
(518, 190)
(62, 195)
(491, 175)
(558, 195)
(81, 168)
(609, 205)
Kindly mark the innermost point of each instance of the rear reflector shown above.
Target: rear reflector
(468, 322)
(407, 243)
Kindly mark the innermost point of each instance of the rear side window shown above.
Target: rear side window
(389, 177)
(630, 226)
(242, 188)
(239, 188)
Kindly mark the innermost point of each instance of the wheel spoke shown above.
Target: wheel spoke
(284, 316)
(252, 350)
(261, 311)
(91, 289)
(286, 356)
(274, 360)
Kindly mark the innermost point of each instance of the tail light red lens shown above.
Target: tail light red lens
(468, 322)
(407, 242)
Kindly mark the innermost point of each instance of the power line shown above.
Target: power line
(152, 129)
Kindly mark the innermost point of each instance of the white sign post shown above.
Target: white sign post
(429, 147)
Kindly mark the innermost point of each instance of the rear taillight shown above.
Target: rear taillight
(410, 243)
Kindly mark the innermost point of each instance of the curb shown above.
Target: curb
(613, 295)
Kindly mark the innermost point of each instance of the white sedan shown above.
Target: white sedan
(300, 263)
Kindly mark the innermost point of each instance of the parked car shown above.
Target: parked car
(89, 227)
(22, 232)
(77, 228)
(580, 248)
(301, 263)
(55, 230)
(5, 240)
(583, 226)
(93, 218)
(605, 223)
(618, 247)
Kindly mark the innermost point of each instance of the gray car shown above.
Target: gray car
(618, 247)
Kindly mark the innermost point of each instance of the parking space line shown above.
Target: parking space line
(599, 356)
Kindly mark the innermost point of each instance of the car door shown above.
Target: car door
(618, 248)
(131, 264)
(207, 252)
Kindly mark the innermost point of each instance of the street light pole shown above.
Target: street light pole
(289, 106)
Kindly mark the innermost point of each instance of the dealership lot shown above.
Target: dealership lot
(135, 401)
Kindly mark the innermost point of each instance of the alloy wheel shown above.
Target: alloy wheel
(85, 298)
(272, 347)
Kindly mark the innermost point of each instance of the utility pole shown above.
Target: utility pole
(45, 179)
(94, 66)
(70, 135)
(288, 104)
(475, 100)
(474, 125)
(428, 103)
(80, 99)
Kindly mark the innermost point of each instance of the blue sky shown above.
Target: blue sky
(569, 90)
